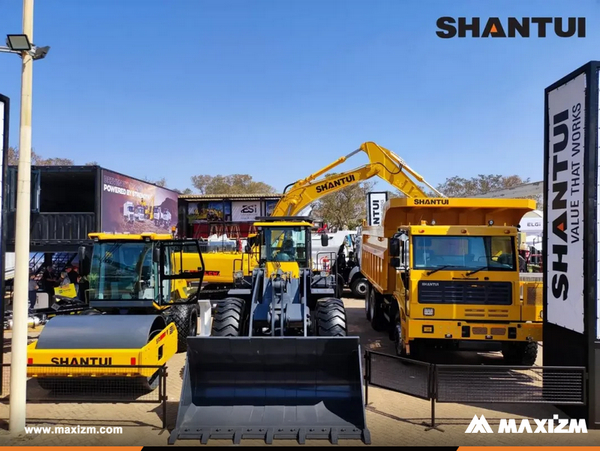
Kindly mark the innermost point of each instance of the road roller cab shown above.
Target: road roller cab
(142, 307)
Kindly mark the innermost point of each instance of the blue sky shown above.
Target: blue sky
(278, 89)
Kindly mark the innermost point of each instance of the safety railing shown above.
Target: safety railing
(112, 384)
(475, 384)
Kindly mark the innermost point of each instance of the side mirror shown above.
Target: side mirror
(403, 252)
(394, 247)
(81, 253)
(84, 262)
(156, 255)
(395, 262)
(324, 240)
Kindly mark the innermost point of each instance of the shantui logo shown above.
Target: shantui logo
(542, 426)
(526, 27)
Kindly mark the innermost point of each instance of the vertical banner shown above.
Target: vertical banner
(4, 127)
(375, 202)
(597, 134)
(571, 329)
(565, 220)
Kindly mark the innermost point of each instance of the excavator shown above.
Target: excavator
(226, 270)
(279, 362)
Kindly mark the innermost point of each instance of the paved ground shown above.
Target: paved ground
(392, 418)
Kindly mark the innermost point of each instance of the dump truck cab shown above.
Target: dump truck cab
(445, 273)
(141, 309)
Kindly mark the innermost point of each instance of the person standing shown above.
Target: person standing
(33, 287)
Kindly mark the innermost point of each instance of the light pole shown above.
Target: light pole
(23, 45)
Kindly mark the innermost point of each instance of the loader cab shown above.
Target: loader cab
(285, 244)
(283, 241)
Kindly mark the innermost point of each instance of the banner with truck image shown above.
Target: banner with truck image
(132, 206)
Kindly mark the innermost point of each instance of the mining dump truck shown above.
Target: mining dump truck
(141, 310)
(444, 273)
(278, 363)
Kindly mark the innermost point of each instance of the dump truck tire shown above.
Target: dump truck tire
(185, 317)
(228, 318)
(378, 321)
(367, 296)
(331, 318)
(522, 354)
(359, 287)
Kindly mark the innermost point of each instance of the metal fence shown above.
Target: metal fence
(443, 383)
(112, 384)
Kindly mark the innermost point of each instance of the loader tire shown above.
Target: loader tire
(185, 317)
(331, 318)
(228, 318)
(521, 354)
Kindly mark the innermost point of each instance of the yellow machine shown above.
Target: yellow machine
(223, 268)
(278, 363)
(445, 272)
(142, 309)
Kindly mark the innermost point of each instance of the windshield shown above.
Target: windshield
(122, 271)
(461, 252)
(285, 244)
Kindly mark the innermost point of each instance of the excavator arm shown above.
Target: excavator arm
(382, 162)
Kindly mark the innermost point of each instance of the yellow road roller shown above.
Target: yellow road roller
(142, 307)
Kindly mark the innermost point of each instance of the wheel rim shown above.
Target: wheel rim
(361, 288)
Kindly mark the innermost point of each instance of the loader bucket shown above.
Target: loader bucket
(271, 388)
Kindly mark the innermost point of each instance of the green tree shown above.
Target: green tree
(344, 208)
(230, 184)
(37, 160)
(482, 184)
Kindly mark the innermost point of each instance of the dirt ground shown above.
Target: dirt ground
(393, 419)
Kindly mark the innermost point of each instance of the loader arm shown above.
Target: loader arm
(382, 162)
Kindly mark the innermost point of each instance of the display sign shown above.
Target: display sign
(132, 206)
(270, 207)
(245, 211)
(375, 202)
(207, 211)
(565, 215)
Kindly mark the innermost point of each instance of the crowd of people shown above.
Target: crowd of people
(52, 279)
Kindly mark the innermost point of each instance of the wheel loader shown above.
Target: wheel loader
(140, 312)
(279, 362)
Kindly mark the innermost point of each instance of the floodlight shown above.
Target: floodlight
(18, 42)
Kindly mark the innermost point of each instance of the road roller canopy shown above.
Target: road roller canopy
(138, 270)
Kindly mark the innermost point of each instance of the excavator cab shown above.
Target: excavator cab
(278, 363)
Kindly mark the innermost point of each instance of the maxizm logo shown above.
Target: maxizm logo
(511, 27)
(560, 426)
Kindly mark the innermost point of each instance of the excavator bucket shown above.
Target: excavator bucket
(272, 388)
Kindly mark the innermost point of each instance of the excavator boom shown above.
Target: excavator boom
(382, 162)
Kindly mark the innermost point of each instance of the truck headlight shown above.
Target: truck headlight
(238, 275)
(428, 312)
